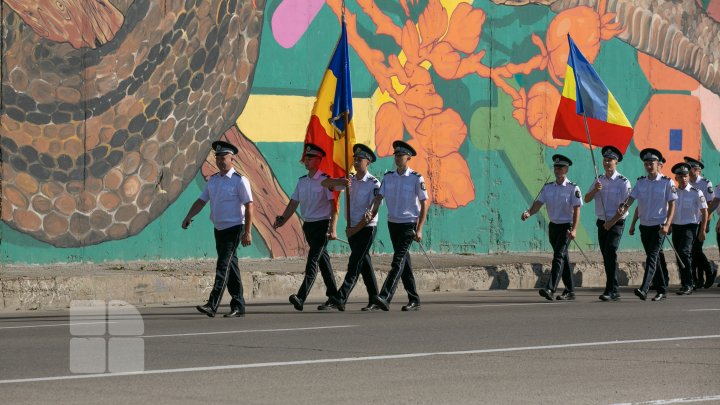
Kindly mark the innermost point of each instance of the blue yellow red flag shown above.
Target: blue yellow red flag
(585, 93)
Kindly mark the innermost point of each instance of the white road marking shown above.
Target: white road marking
(708, 309)
(506, 305)
(351, 359)
(51, 325)
(250, 331)
(674, 401)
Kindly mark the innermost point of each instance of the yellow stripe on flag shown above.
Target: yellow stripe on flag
(569, 87)
(615, 113)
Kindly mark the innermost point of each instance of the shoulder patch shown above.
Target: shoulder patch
(710, 189)
(673, 188)
(577, 193)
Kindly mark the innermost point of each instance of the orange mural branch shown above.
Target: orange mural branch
(384, 24)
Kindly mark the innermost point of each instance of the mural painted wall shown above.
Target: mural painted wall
(109, 109)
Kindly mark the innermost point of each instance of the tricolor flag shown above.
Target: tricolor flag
(584, 92)
(327, 122)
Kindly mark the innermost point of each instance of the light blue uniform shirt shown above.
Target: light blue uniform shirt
(653, 197)
(403, 193)
(560, 200)
(315, 200)
(615, 191)
(689, 203)
(228, 195)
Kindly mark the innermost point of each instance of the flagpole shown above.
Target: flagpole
(592, 155)
(347, 172)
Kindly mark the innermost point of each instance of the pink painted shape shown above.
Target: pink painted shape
(292, 18)
(710, 105)
(713, 9)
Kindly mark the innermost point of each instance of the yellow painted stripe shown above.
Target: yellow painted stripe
(615, 113)
(272, 118)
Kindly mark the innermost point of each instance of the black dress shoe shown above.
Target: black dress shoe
(640, 294)
(206, 309)
(615, 297)
(659, 297)
(684, 291)
(370, 308)
(235, 313)
(413, 306)
(710, 279)
(566, 296)
(296, 301)
(340, 306)
(546, 293)
(605, 297)
(381, 303)
(328, 306)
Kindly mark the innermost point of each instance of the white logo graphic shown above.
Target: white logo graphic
(107, 338)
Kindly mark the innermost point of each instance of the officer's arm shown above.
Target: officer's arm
(289, 211)
(374, 206)
(670, 215)
(713, 205)
(335, 184)
(194, 210)
(247, 234)
(332, 232)
(575, 221)
(703, 224)
(421, 220)
(533, 209)
(591, 194)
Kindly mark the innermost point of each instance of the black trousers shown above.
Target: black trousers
(559, 240)
(316, 236)
(401, 236)
(359, 263)
(227, 272)
(683, 237)
(609, 241)
(701, 265)
(652, 241)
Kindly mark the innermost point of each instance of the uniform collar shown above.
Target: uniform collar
(687, 187)
(317, 175)
(406, 173)
(230, 173)
(365, 177)
(564, 183)
(615, 175)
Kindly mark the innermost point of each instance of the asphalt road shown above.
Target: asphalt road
(489, 347)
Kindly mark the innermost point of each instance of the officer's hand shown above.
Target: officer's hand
(665, 229)
(525, 215)
(350, 231)
(344, 182)
(571, 234)
(369, 216)
(186, 222)
(631, 231)
(607, 225)
(701, 236)
(247, 239)
(418, 236)
(598, 186)
(332, 235)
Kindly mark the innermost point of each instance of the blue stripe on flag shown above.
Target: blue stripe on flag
(591, 92)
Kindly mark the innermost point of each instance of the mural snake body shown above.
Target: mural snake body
(98, 142)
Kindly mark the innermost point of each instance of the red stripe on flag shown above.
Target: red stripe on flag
(569, 125)
(316, 134)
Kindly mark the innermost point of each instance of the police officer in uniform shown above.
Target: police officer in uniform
(318, 210)
(656, 197)
(562, 201)
(689, 223)
(712, 206)
(231, 211)
(703, 273)
(609, 191)
(360, 232)
(405, 193)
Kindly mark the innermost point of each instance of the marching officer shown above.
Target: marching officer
(609, 191)
(318, 210)
(562, 201)
(656, 197)
(231, 211)
(689, 223)
(406, 196)
(703, 273)
(363, 187)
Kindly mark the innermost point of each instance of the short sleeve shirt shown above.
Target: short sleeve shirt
(362, 194)
(228, 195)
(315, 200)
(705, 186)
(653, 197)
(615, 191)
(689, 203)
(403, 193)
(560, 200)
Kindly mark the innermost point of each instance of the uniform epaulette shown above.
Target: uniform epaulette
(387, 172)
(549, 183)
(641, 177)
(574, 184)
(373, 178)
(325, 175)
(693, 188)
(302, 177)
(621, 177)
(237, 174)
(416, 173)
(214, 174)
(665, 177)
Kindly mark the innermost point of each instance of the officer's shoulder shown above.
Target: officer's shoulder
(373, 178)
(388, 172)
(549, 183)
(237, 174)
(415, 173)
(694, 189)
(324, 174)
(642, 177)
(665, 177)
(572, 183)
(621, 177)
(302, 177)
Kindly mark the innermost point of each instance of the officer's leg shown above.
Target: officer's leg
(234, 284)
(226, 243)
(559, 241)
(603, 243)
(326, 270)
(401, 236)
(408, 280)
(652, 241)
(316, 236)
(567, 272)
(359, 246)
(613, 242)
(368, 273)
